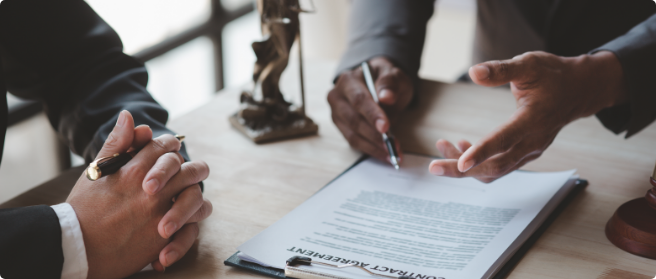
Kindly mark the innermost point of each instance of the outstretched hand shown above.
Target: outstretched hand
(550, 92)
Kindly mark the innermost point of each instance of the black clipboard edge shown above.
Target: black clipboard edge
(267, 271)
(514, 260)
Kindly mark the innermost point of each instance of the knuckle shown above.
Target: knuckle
(204, 211)
(502, 68)
(197, 194)
(159, 143)
(165, 143)
(112, 142)
(531, 57)
(174, 157)
(332, 96)
(179, 157)
(157, 172)
(496, 169)
(193, 172)
(133, 171)
(195, 229)
(196, 170)
(358, 98)
(395, 72)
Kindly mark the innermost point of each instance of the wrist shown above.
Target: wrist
(608, 78)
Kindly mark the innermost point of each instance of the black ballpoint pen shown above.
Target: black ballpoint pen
(111, 164)
(388, 139)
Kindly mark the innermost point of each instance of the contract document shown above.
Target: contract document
(411, 223)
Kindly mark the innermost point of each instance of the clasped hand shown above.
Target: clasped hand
(128, 219)
(550, 92)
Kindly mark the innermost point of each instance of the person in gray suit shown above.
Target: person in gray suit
(564, 59)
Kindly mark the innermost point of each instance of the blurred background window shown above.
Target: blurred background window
(192, 48)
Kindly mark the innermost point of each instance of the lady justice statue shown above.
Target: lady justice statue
(273, 118)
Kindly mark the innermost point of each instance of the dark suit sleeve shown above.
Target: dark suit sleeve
(392, 28)
(636, 51)
(62, 53)
(30, 243)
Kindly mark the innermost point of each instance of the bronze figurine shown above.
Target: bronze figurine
(273, 118)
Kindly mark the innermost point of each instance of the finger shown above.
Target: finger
(157, 147)
(188, 202)
(142, 136)
(190, 173)
(181, 243)
(348, 116)
(358, 142)
(387, 85)
(444, 167)
(448, 150)
(361, 100)
(499, 141)
(492, 168)
(166, 166)
(497, 73)
(121, 137)
(202, 213)
(158, 266)
(463, 145)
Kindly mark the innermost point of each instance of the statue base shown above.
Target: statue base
(269, 130)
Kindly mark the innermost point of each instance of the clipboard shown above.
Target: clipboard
(505, 270)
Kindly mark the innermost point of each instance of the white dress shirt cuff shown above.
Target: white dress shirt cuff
(75, 255)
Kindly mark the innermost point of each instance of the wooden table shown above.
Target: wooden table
(252, 186)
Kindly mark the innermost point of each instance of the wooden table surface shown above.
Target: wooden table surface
(252, 186)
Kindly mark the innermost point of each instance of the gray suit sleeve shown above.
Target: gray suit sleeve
(636, 51)
(392, 28)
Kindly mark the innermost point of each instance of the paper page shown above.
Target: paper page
(408, 222)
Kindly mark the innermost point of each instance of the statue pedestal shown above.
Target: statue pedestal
(633, 226)
(268, 130)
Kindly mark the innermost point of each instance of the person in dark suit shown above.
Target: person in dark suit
(564, 59)
(63, 54)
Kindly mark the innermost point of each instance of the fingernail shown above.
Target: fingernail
(169, 229)
(152, 186)
(171, 257)
(436, 170)
(385, 93)
(121, 119)
(467, 165)
(482, 72)
(380, 124)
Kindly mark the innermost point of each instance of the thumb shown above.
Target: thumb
(497, 73)
(120, 139)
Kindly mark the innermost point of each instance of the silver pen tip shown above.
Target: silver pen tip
(395, 162)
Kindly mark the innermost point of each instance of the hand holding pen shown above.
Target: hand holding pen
(388, 139)
(355, 113)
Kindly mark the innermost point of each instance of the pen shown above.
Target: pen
(388, 139)
(111, 164)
